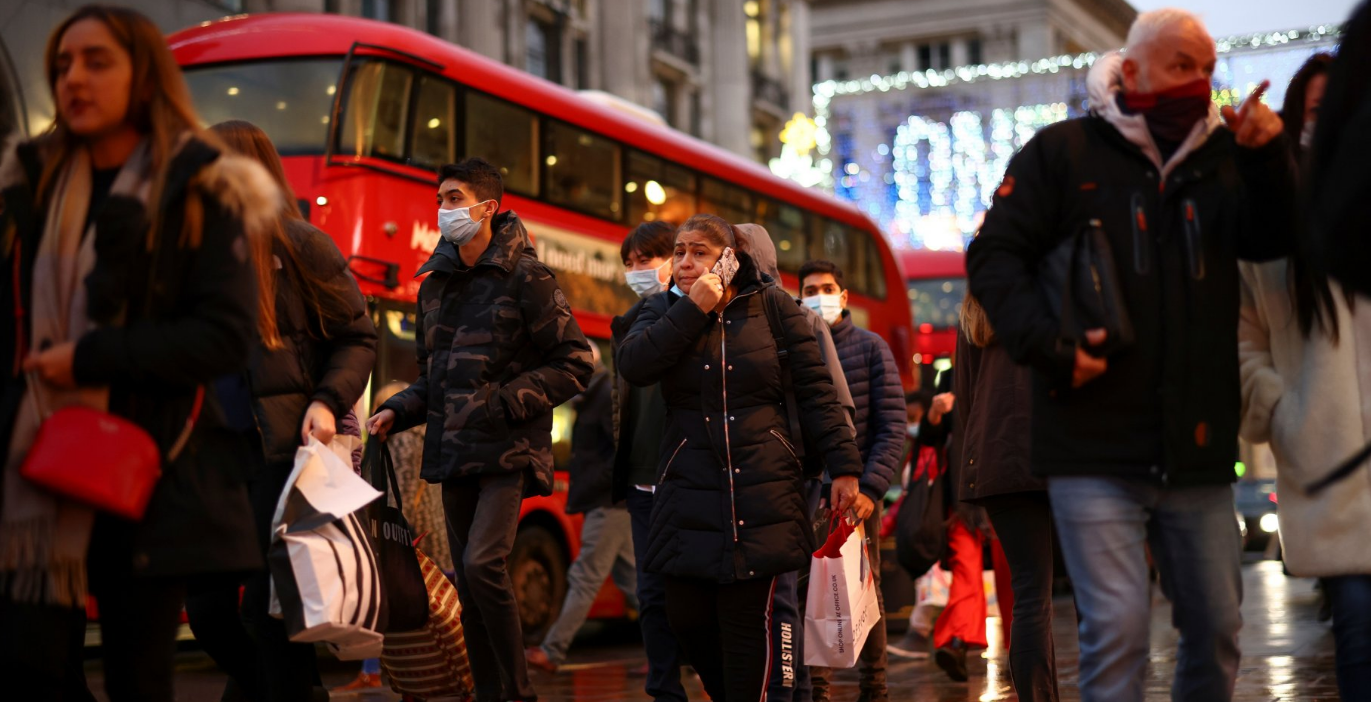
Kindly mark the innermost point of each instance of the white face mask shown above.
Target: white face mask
(648, 282)
(457, 226)
(1307, 134)
(830, 307)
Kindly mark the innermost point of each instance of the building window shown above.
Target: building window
(753, 10)
(925, 57)
(433, 17)
(973, 51)
(581, 51)
(664, 100)
(696, 113)
(376, 9)
(944, 55)
(543, 57)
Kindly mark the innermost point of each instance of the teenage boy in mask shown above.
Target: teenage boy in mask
(498, 350)
(639, 421)
(878, 395)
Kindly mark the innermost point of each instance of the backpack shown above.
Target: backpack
(809, 455)
(921, 525)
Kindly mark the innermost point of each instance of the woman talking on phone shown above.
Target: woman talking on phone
(729, 514)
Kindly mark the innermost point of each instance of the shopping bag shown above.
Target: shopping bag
(324, 573)
(431, 661)
(841, 604)
(403, 583)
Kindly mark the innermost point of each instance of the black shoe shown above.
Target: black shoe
(952, 659)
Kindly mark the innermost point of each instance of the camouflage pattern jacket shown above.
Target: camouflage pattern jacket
(498, 349)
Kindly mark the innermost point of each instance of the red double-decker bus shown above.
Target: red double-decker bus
(936, 283)
(364, 113)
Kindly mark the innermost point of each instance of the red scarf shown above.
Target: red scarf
(1171, 114)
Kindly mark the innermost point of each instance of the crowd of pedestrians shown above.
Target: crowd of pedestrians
(161, 273)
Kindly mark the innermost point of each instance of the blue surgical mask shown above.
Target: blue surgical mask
(457, 226)
(677, 289)
(648, 282)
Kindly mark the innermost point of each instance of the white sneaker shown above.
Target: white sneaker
(913, 646)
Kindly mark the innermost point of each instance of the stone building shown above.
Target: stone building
(860, 38)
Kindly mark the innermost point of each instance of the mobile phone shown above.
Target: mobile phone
(727, 267)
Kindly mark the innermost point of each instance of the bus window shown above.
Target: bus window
(378, 97)
(875, 287)
(507, 136)
(583, 171)
(936, 302)
(395, 358)
(289, 100)
(434, 129)
(786, 224)
(657, 190)
(831, 243)
(564, 416)
(858, 252)
(731, 202)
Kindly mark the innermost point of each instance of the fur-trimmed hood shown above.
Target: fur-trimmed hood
(1103, 84)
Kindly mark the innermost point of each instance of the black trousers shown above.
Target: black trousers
(663, 653)
(1023, 522)
(41, 651)
(138, 622)
(482, 520)
(725, 632)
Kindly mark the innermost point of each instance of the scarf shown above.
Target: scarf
(1171, 114)
(44, 537)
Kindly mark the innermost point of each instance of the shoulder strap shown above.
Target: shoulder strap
(792, 406)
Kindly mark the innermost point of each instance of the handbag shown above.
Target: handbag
(402, 583)
(921, 525)
(99, 459)
(1081, 285)
(431, 661)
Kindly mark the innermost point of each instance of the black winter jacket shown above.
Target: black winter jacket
(729, 505)
(191, 318)
(874, 380)
(994, 409)
(592, 447)
(332, 370)
(1167, 408)
(498, 350)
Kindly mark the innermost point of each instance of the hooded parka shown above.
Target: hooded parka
(729, 504)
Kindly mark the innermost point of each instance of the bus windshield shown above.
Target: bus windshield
(936, 302)
(289, 99)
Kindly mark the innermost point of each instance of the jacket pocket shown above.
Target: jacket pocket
(1194, 239)
(667, 470)
(1142, 246)
(788, 447)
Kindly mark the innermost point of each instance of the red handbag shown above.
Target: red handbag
(98, 459)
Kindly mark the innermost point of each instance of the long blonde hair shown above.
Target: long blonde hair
(164, 116)
(975, 324)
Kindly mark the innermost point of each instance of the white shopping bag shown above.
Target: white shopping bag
(323, 567)
(841, 605)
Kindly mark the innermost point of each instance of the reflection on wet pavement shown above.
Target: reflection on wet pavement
(1287, 655)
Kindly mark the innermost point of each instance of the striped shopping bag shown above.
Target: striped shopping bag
(432, 661)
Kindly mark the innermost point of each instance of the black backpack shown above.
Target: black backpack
(921, 525)
(811, 458)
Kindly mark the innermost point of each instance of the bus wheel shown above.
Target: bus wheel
(537, 569)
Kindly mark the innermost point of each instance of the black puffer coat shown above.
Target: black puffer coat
(332, 370)
(994, 408)
(729, 506)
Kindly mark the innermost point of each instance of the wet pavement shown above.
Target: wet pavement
(1287, 655)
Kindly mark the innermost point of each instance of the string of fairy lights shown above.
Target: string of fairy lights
(922, 152)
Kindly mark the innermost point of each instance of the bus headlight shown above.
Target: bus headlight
(1270, 523)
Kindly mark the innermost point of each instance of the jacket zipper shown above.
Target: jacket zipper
(667, 470)
(1194, 239)
(1141, 260)
(728, 446)
(787, 445)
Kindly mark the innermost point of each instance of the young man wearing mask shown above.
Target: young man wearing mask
(498, 349)
(1137, 443)
(874, 380)
(639, 422)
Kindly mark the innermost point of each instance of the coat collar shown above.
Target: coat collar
(843, 327)
(1105, 82)
(508, 243)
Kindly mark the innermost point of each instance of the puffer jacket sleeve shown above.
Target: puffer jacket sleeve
(411, 404)
(1002, 264)
(1269, 208)
(885, 423)
(821, 416)
(567, 362)
(211, 340)
(350, 344)
(661, 335)
(1262, 385)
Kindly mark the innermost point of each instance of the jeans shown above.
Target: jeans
(726, 630)
(872, 661)
(663, 653)
(1351, 599)
(1104, 523)
(482, 520)
(606, 549)
(1023, 522)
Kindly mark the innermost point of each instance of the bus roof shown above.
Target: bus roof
(926, 263)
(277, 35)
